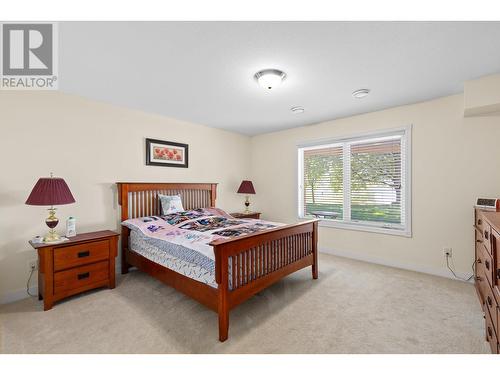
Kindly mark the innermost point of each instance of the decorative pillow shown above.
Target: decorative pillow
(170, 204)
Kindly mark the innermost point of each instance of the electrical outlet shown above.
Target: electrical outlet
(447, 252)
(33, 264)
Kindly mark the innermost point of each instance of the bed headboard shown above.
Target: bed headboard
(141, 198)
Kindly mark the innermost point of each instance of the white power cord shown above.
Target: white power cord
(28, 282)
(453, 272)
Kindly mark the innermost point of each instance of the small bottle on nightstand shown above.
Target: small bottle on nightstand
(71, 227)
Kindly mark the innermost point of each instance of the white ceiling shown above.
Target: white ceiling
(203, 71)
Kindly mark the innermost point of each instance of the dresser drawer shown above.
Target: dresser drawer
(487, 237)
(76, 255)
(479, 237)
(483, 288)
(479, 221)
(79, 277)
(495, 242)
(496, 294)
(487, 264)
(491, 336)
(480, 279)
(492, 307)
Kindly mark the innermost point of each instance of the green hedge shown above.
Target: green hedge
(381, 212)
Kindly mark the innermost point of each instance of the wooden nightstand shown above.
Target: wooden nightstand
(243, 215)
(85, 262)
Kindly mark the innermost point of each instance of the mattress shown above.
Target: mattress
(180, 241)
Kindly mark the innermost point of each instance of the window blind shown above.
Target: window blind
(323, 180)
(376, 181)
(356, 181)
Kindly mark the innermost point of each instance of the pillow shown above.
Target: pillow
(170, 204)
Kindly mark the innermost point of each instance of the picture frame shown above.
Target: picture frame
(166, 154)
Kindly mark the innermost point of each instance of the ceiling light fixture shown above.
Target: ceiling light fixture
(297, 109)
(270, 78)
(360, 94)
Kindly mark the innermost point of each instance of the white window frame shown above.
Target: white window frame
(384, 228)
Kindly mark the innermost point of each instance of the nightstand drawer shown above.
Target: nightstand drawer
(246, 215)
(76, 255)
(77, 278)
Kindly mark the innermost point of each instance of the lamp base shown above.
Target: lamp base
(52, 222)
(52, 236)
(247, 205)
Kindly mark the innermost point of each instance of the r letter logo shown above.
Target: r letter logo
(29, 59)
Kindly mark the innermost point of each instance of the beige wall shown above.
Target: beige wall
(482, 95)
(454, 160)
(92, 145)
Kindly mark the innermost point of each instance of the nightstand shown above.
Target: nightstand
(86, 261)
(246, 215)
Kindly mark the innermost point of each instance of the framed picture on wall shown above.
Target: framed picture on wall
(166, 154)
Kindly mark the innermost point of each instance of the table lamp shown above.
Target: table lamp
(50, 191)
(246, 187)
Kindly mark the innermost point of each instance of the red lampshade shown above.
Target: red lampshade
(50, 191)
(246, 187)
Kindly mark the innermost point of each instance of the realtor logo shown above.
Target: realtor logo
(29, 60)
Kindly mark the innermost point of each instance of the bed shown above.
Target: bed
(242, 265)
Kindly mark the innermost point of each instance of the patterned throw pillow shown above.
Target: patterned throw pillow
(170, 204)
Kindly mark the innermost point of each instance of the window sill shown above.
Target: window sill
(363, 228)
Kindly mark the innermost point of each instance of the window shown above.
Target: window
(360, 182)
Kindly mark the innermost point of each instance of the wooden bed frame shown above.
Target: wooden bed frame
(259, 260)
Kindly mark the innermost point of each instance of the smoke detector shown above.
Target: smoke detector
(297, 109)
(361, 93)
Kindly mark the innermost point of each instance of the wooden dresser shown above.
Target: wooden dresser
(487, 271)
(85, 262)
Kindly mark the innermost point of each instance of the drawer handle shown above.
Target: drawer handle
(490, 332)
(82, 276)
(486, 235)
(489, 301)
(487, 264)
(478, 278)
(479, 241)
(83, 254)
(478, 260)
(479, 222)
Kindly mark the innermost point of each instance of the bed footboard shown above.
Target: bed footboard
(244, 266)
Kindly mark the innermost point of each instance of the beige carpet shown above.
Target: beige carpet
(354, 307)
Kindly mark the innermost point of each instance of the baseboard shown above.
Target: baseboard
(17, 295)
(442, 272)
